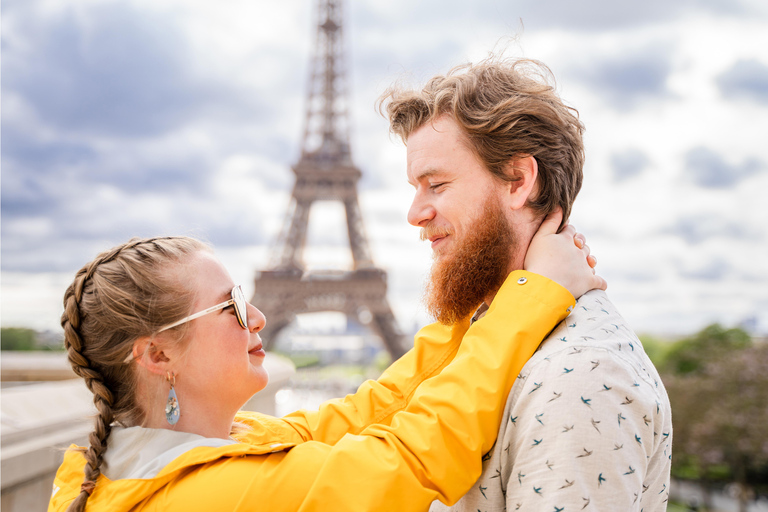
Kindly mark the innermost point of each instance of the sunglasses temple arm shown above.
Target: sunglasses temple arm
(199, 314)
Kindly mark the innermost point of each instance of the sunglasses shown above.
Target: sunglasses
(238, 300)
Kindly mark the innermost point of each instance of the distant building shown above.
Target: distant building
(355, 344)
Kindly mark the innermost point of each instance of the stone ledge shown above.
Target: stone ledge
(35, 366)
(36, 409)
(27, 460)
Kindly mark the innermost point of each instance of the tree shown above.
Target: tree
(690, 355)
(17, 338)
(656, 349)
(720, 413)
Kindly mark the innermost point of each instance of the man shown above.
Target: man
(491, 151)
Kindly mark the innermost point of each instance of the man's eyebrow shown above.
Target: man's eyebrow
(427, 173)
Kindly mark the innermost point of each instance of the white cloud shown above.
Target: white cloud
(224, 156)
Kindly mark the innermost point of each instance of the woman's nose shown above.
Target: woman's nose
(256, 319)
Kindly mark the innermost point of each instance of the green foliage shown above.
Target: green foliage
(17, 338)
(718, 387)
(382, 362)
(677, 507)
(657, 349)
(690, 355)
(304, 360)
(684, 466)
(719, 472)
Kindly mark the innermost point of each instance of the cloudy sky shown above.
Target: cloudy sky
(145, 117)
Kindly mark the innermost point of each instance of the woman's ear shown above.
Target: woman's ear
(148, 354)
(525, 169)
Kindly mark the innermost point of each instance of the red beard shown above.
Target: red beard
(477, 266)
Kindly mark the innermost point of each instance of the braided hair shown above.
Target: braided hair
(125, 293)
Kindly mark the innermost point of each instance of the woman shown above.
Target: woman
(171, 351)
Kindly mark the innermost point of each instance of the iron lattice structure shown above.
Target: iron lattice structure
(325, 171)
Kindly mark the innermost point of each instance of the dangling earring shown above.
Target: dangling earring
(172, 411)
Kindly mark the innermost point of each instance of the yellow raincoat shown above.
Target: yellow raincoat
(416, 434)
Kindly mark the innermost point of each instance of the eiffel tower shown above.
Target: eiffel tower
(325, 171)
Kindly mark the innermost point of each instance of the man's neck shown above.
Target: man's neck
(516, 264)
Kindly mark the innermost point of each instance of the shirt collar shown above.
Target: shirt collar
(479, 313)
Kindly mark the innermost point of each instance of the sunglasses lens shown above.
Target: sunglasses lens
(240, 306)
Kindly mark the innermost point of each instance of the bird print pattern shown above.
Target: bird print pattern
(587, 425)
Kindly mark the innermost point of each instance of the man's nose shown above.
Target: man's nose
(421, 212)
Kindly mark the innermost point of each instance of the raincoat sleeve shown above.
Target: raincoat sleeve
(377, 401)
(433, 448)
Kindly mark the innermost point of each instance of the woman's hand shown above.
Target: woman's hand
(563, 257)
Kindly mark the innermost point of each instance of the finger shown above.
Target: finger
(579, 240)
(591, 261)
(551, 223)
(599, 283)
(568, 230)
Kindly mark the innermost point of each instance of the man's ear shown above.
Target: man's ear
(525, 169)
(148, 354)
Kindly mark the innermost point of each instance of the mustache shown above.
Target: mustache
(431, 231)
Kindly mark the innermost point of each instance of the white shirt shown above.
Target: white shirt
(587, 425)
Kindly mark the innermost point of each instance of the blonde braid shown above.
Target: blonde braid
(102, 397)
(116, 321)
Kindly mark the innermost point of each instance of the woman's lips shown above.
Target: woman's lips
(258, 350)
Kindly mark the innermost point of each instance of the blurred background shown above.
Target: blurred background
(139, 118)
